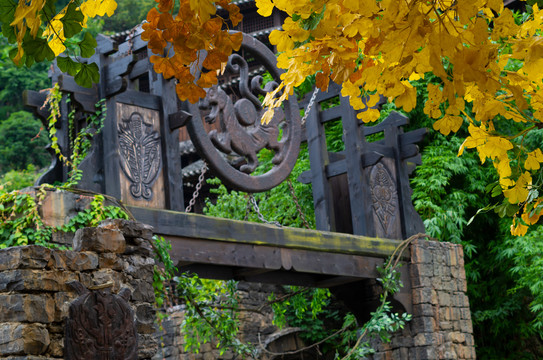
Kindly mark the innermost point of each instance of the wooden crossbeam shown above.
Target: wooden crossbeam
(228, 249)
(171, 223)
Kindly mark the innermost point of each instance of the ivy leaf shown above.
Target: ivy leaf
(13, 53)
(7, 9)
(29, 61)
(49, 9)
(88, 45)
(9, 32)
(67, 65)
(87, 75)
(72, 20)
(38, 49)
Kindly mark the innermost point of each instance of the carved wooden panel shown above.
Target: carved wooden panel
(385, 203)
(140, 155)
(100, 326)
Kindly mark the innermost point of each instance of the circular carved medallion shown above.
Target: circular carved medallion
(232, 148)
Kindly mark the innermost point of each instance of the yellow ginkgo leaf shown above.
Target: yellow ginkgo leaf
(519, 192)
(265, 7)
(448, 123)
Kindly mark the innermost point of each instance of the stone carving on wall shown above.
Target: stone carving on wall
(385, 200)
(140, 155)
(100, 326)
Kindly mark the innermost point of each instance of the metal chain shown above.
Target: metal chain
(298, 207)
(247, 208)
(197, 190)
(260, 216)
(309, 106)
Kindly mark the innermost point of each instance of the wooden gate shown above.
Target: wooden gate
(363, 190)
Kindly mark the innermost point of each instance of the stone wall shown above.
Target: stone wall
(35, 297)
(441, 326)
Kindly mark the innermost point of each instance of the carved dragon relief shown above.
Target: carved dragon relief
(140, 155)
(385, 199)
(241, 131)
(100, 325)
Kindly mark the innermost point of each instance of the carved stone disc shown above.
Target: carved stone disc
(100, 326)
(239, 135)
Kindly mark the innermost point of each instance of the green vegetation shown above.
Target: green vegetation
(14, 80)
(18, 179)
(22, 143)
(128, 14)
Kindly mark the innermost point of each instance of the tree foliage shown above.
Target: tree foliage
(42, 32)
(182, 34)
(128, 14)
(488, 65)
(14, 80)
(22, 142)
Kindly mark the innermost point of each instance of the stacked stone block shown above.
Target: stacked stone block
(35, 297)
(441, 325)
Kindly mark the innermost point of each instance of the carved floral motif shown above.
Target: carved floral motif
(100, 326)
(140, 155)
(384, 197)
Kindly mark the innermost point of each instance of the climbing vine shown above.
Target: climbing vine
(20, 218)
(80, 141)
(22, 224)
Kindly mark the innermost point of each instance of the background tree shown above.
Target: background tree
(14, 80)
(22, 142)
(128, 14)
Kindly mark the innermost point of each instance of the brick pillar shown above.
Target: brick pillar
(441, 326)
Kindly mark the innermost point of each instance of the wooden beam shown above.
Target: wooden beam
(207, 271)
(244, 272)
(336, 281)
(170, 223)
(222, 253)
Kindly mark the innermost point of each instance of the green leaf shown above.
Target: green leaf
(88, 45)
(9, 32)
(7, 9)
(501, 210)
(49, 8)
(512, 209)
(497, 191)
(72, 20)
(483, 210)
(13, 53)
(67, 65)
(87, 75)
(29, 61)
(313, 20)
(38, 48)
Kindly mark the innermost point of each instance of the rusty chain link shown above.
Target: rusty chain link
(309, 106)
(196, 193)
(259, 214)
